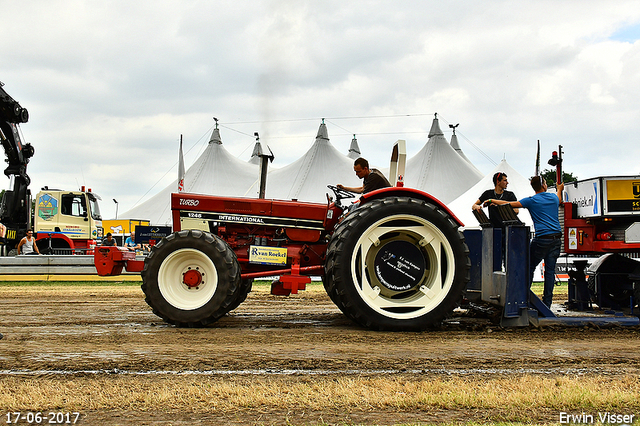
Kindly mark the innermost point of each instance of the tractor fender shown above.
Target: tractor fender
(397, 191)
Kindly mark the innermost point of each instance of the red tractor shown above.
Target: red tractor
(394, 260)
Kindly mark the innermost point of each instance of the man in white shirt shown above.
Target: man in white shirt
(28, 245)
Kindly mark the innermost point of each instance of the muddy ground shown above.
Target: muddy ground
(111, 331)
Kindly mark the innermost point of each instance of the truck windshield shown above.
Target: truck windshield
(95, 209)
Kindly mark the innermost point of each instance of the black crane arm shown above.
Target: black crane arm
(15, 207)
(12, 114)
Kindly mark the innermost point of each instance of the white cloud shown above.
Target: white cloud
(110, 86)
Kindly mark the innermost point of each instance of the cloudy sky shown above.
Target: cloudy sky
(111, 85)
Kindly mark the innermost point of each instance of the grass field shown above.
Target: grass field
(505, 397)
(497, 398)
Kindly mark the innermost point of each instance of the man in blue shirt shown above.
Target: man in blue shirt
(545, 245)
(130, 242)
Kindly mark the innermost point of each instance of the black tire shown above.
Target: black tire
(617, 287)
(241, 295)
(58, 246)
(397, 263)
(191, 278)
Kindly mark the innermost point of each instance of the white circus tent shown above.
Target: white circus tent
(456, 146)
(215, 172)
(306, 179)
(354, 149)
(518, 184)
(255, 155)
(439, 170)
(258, 150)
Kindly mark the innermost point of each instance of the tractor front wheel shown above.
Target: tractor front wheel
(397, 263)
(191, 278)
(241, 295)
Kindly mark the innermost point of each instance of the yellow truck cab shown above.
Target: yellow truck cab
(67, 222)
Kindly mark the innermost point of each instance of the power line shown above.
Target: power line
(471, 143)
(340, 127)
(362, 117)
(171, 168)
(236, 130)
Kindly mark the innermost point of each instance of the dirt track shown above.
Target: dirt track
(110, 330)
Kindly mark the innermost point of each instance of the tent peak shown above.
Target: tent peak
(215, 136)
(322, 131)
(354, 149)
(454, 143)
(435, 127)
(258, 150)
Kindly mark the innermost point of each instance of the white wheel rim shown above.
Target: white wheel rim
(432, 288)
(170, 279)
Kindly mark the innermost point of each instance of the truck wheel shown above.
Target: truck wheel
(191, 278)
(58, 246)
(397, 263)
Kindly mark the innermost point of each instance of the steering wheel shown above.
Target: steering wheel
(340, 194)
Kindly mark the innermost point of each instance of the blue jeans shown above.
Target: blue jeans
(546, 249)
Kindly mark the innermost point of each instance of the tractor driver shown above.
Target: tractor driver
(372, 178)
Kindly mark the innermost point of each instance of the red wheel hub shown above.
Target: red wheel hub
(192, 278)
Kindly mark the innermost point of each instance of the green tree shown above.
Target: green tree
(550, 177)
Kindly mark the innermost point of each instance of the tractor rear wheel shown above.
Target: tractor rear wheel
(397, 263)
(191, 278)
